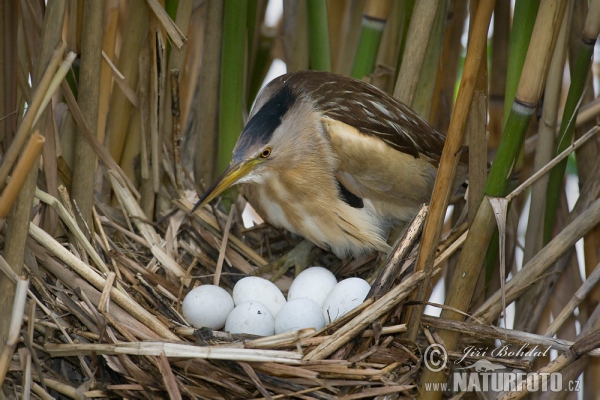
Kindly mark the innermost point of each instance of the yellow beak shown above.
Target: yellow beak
(230, 177)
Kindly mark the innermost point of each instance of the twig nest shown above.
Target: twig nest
(251, 317)
(299, 314)
(313, 283)
(207, 306)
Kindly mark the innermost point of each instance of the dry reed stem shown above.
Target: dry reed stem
(577, 298)
(111, 19)
(25, 164)
(577, 350)
(37, 389)
(78, 284)
(545, 146)
(8, 271)
(10, 157)
(402, 250)
(221, 258)
(424, 90)
(14, 327)
(176, 133)
(120, 80)
(176, 350)
(208, 220)
(539, 54)
(130, 305)
(57, 80)
(84, 166)
(483, 227)
(530, 272)
(60, 387)
(547, 167)
(368, 316)
(134, 210)
(135, 29)
(494, 332)
(168, 377)
(443, 99)
(100, 150)
(203, 120)
(167, 23)
(176, 61)
(414, 54)
(450, 156)
(69, 221)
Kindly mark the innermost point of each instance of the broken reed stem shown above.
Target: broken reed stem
(30, 155)
(176, 132)
(58, 78)
(27, 123)
(385, 279)
(14, 327)
(167, 23)
(221, 258)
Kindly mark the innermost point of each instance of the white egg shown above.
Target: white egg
(313, 283)
(299, 314)
(207, 306)
(261, 290)
(344, 297)
(251, 317)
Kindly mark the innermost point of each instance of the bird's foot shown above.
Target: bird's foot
(299, 258)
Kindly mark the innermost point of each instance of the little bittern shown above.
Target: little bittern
(333, 159)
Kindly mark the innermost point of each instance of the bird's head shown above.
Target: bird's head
(270, 141)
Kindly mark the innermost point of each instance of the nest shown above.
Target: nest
(106, 319)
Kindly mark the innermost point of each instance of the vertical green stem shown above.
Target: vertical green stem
(318, 35)
(368, 46)
(579, 79)
(232, 78)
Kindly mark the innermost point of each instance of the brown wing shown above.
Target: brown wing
(370, 110)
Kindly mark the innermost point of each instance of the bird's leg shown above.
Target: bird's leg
(299, 258)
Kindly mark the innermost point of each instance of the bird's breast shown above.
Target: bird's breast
(314, 210)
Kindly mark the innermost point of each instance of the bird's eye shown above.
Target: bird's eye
(265, 153)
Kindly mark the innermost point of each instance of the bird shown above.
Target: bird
(334, 160)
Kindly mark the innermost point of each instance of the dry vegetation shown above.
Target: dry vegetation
(108, 109)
